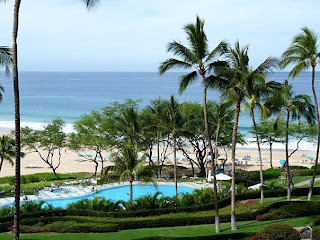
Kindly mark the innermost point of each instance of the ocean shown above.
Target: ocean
(68, 95)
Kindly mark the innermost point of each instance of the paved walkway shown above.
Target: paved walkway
(300, 184)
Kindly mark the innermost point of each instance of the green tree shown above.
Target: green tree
(174, 123)
(47, 143)
(235, 81)
(203, 61)
(304, 53)
(89, 4)
(7, 152)
(5, 58)
(270, 131)
(129, 168)
(92, 133)
(295, 107)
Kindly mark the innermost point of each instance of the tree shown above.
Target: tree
(129, 168)
(174, 123)
(48, 143)
(202, 60)
(304, 53)
(92, 133)
(5, 58)
(89, 4)
(295, 107)
(235, 81)
(270, 131)
(7, 152)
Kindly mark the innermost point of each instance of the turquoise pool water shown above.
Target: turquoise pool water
(121, 193)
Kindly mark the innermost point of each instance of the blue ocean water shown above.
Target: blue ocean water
(48, 95)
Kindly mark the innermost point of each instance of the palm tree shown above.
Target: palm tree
(295, 107)
(90, 4)
(5, 58)
(156, 109)
(129, 168)
(174, 121)
(222, 115)
(305, 54)
(235, 81)
(202, 60)
(7, 152)
(129, 125)
(255, 91)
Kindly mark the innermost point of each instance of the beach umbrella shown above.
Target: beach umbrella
(108, 156)
(223, 177)
(79, 155)
(185, 158)
(256, 159)
(310, 158)
(282, 162)
(98, 156)
(88, 155)
(177, 158)
(246, 159)
(209, 158)
(236, 160)
(154, 157)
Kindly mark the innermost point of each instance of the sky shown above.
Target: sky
(132, 35)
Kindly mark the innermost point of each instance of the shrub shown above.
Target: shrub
(277, 232)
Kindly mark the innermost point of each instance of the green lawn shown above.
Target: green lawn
(188, 231)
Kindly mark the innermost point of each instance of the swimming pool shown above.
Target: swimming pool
(120, 193)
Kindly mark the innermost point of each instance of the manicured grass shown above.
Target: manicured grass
(188, 231)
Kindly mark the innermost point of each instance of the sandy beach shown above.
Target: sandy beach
(70, 163)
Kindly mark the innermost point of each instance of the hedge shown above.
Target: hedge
(231, 236)
(71, 223)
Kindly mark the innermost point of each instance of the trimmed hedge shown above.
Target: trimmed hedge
(232, 236)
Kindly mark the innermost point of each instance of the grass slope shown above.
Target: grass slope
(188, 231)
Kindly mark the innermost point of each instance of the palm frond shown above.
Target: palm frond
(173, 64)
(178, 49)
(218, 51)
(91, 4)
(185, 80)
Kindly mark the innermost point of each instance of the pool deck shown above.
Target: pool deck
(80, 191)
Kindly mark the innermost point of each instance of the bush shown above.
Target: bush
(277, 232)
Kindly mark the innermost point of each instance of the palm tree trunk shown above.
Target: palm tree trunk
(287, 157)
(158, 151)
(213, 162)
(131, 191)
(318, 145)
(17, 118)
(233, 157)
(259, 151)
(270, 151)
(175, 163)
(1, 163)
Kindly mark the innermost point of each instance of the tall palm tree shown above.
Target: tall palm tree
(198, 57)
(222, 115)
(174, 121)
(156, 109)
(7, 152)
(129, 168)
(304, 53)
(295, 107)
(235, 82)
(256, 90)
(90, 4)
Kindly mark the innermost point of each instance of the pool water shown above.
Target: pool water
(123, 193)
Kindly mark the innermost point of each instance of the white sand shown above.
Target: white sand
(69, 163)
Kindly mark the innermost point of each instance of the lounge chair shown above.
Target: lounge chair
(184, 176)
